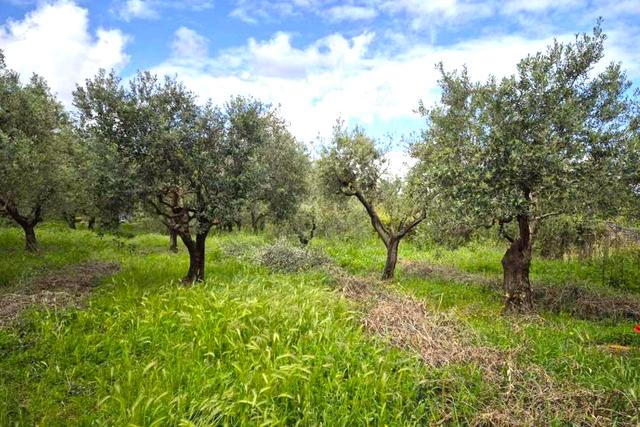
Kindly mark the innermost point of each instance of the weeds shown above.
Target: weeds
(249, 347)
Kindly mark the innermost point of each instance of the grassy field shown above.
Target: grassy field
(257, 347)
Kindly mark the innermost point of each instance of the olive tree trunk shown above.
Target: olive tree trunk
(196, 251)
(28, 224)
(515, 266)
(392, 258)
(31, 243)
(173, 240)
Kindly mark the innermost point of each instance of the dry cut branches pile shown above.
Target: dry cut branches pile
(67, 287)
(525, 395)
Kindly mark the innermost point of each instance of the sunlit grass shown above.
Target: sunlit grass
(253, 347)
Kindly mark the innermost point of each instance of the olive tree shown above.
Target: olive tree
(190, 163)
(511, 152)
(105, 118)
(280, 172)
(352, 166)
(35, 147)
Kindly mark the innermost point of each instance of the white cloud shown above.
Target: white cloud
(151, 9)
(54, 41)
(398, 163)
(188, 43)
(420, 13)
(339, 76)
(516, 6)
(140, 9)
(254, 11)
(342, 77)
(351, 13)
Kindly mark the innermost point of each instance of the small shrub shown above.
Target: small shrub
(282, 256)
(237, 249)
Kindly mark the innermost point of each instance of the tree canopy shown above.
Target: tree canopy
(517, 150)
(353, 166)
(35, 152)
(190, 163)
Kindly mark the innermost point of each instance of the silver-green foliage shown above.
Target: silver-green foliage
(543, 141)
(36, 146)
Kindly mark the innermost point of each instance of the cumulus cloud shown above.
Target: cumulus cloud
(351, 13)
(55, 42)
(152, 9)
(138, 9)
(188, 43)
(337, 76)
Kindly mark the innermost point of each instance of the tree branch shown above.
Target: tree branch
(501, 230)
(547, 215)
(414, 223)
(375, 219)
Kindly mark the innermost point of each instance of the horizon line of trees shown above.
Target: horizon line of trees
(560, 137)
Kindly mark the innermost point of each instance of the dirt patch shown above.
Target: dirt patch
(66, 287)
(578, 300)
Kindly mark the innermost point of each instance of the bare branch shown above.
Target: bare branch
(375, 219)
(413, 224)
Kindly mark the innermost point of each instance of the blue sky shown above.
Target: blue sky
(367, 61)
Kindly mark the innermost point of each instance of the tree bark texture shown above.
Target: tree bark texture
(31, 243)
(516, 263)
(392, 258)
(173, 240)
(196, 251)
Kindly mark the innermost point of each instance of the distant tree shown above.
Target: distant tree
(304, 223)
(632, 164)
(353, 166)
(35, 147)
(541, 143)
(280, 173)
(105, 119)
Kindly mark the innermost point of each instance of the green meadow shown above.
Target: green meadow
(254, 346)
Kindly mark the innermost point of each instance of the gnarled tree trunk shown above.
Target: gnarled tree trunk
(515, 266)
(392, 258)
(31, 243)
(173, 240)
(27, 222)
(196, 251)
(390, 238)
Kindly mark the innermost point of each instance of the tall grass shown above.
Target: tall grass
(246, 347)
(252, 347)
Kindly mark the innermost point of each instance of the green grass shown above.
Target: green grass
(252, 347)
(619, 271)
